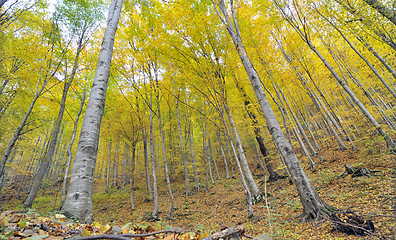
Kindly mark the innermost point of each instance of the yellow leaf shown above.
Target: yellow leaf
(60, 216)
(22, 223)
(202, 236)
(96, 224)
(86, 233)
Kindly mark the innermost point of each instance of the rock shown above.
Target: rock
(126, 227)
(116, 230)
(29, 232)
(235, 237)
(10, 229)
(263, 237)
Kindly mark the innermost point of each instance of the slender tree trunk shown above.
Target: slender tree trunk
(171, 199)
(229, 155)
(313, 205)
(133, 176)
(223, 155)
(188, 190)
(108, 168)
(147, 164)
(79, 197)
(273, 175)
(18, 132)
(376, 54)
(249, 200)
(207, 152)
(153, 166)
(214, 159)
(194, 161)
(69, 152)
(50, 153)
(254, 189)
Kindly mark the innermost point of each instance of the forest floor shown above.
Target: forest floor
(223, 204)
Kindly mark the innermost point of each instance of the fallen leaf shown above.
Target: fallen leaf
(86, 233)
(37, 237)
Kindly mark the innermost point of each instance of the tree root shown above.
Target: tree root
(350, 223)
(343, 221)
(357, 172)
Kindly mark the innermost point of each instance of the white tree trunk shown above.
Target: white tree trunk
(78, 201)
(188, 190)
(313, 205)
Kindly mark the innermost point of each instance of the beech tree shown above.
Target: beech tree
(313, 204)
(78, 201)
(81, 25)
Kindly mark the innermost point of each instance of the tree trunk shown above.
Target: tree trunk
(133, 176)
(50, 153)
(188, 190)
(108, 169)
(2, 2)
(376, 54)
(18, 131)
(79, 197)
(249, 200)
(147, 165)
(313, 205)
(152, 158)
(223, 155)
(214, 159)
(254, 189)
(69, 148)
(171, 199)
(194, 161)
(273, 175)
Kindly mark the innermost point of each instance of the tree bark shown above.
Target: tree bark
(256, 192)
(194, 161)
(153, 166)
(168, 184)
(188, 190)
(313, 205)
(133, 176)
(78, 201)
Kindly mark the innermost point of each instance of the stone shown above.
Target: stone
(116, 230)
(263, 237)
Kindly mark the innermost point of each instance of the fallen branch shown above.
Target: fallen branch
(127, 236)
(238, 229)
(350, 223)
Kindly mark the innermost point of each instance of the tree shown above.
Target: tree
(313, 205)
(78, 203)
(390, 14)
(81, 26)
(50, 69)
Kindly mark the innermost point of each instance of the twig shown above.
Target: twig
(127, 236)
(103, 236)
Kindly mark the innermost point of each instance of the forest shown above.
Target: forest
(198, 119)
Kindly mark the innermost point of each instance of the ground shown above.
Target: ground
(223, 204)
